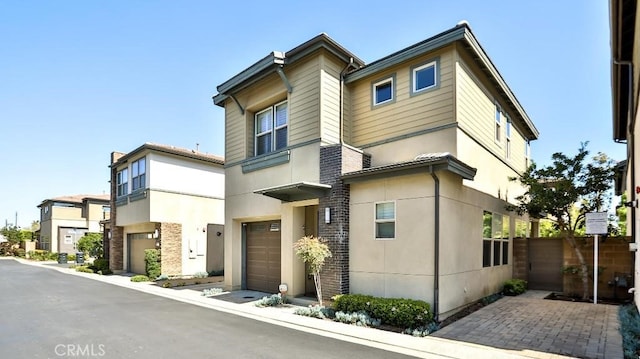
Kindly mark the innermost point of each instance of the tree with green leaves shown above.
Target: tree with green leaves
(313, 251)
(15, 235)
(91, 244)
(564, 192)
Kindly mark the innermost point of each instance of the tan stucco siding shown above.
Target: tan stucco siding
(476, 114)
(330, 99)
(408, 148)
(408, 114)
(304, 103)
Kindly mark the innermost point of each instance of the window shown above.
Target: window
(383, 91)
(385, 220)
(495, 239)
(122, 182)
(498, 127)
(138, 178)
(423, 77)
(508, 139)
(271, 131)
(527, 154)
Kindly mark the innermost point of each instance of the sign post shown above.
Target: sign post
(596, 224)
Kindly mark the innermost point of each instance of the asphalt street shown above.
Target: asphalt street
(47, 314)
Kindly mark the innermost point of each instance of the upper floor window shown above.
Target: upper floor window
(385, 220)
(423, 77)
(527, 154)
(271, 128)
(138, 174)
(498, 126)
(508, 139)
(383, 91)
(122, 182)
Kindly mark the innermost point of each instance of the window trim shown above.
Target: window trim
(497, 241)
(143, 175)
(273, 129)
(435, 63)
(394, 220)
(374, 95)
(507, 137)
(497, 136)
(122, 185)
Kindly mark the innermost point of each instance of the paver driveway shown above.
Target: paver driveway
(528, 321)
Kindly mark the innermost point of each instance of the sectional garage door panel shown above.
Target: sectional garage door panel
(136, 254)
(263, 256)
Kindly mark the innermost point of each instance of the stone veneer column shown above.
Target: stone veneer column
(116, 250)
(334, 161)
(171, 248)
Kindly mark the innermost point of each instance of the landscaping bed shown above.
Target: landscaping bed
(181, 282)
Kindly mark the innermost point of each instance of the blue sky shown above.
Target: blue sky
(80, 79)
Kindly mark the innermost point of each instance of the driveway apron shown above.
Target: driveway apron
(530, 322)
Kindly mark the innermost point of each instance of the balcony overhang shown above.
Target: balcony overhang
(299, 191)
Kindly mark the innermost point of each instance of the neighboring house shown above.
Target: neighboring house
(625, 71)
(168, 198)
(64, 220)
(401, 165)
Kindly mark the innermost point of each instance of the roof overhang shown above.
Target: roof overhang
(299, 191)
(278, 59)
(423, 164)
(623, 21)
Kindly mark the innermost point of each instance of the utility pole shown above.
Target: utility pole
(16, 223)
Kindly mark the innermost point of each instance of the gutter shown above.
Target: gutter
(436, 247)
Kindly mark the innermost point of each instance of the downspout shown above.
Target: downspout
(436, 247)
(631, 144)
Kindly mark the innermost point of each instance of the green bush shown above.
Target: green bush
(91, 244)
(71, 257)
(84, 269)
(19, 252)
(140, 278)
(630, 330)
(514, 287)
(398, 312)
(152, 263)
(39, 255)
(100, 264)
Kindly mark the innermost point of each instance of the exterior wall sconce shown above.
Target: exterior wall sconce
(327, 215)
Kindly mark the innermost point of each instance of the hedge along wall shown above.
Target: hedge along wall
(613, 256)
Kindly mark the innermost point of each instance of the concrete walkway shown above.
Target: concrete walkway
(507, 329)
(529, 322)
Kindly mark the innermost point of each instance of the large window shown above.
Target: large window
(495, 239)
(138, 171)
(122, 182)
(385, 220)
(424, 77)
(383, 91)
(271, 129)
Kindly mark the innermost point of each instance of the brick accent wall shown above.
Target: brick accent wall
(521, 258)
(334, 161)
(171, 248)
(116, 250)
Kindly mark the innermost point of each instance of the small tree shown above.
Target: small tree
(565, 192)
(15, 235)
(313, 252)
(91, 244)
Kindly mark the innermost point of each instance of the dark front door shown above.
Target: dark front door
(545, 264)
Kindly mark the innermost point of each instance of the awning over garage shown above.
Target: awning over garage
(299, 191)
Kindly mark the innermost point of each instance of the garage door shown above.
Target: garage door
(263, 256)
(138, 242)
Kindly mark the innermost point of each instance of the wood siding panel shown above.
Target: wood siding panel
(304, 101)
(330, 100)
(235, 133)
(408, 114)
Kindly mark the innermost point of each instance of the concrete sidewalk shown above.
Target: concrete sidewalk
(427, 347)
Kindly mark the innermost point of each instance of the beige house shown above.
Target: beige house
(402, 165)
(168, 198)
(625, 71)
(64, 220)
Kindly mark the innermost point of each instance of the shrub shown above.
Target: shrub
(398, 312)
(105, 271)
(140, 278)
(316, 311)
(361, 319)
(84, 269)
(39, 255)
(272, 301)
(514, 287)
(19, 252)
(166, 285)
(162, 277)
(100, 264)
(91, 244)
(201, 275)
(215, 273)
(152, 263)
(70, 257)
(422, 331)
(211, 291)
(630, 330)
